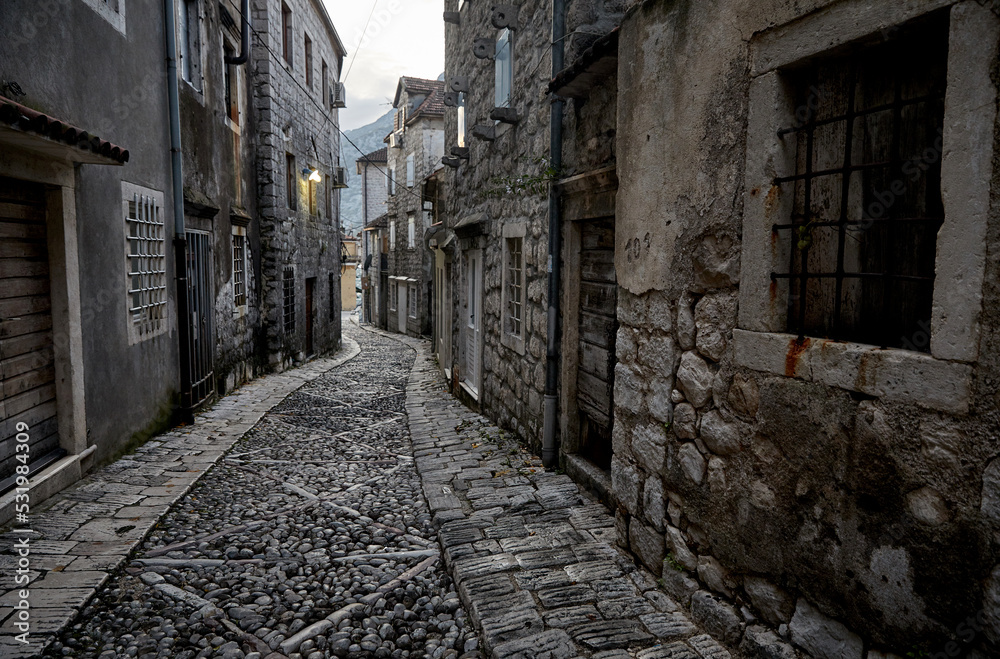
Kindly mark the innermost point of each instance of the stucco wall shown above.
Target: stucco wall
(809, 500)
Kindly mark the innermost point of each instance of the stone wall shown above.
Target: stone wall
(292, 118)
(842, 495)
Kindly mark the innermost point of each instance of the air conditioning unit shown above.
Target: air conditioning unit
(339, 178)
(338, 95)
(396, 139)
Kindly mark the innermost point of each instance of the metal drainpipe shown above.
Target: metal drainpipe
(550, 450)
(245, 42)
(180, 239)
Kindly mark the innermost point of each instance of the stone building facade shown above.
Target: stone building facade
(297, 58)
(497, 191)
(88, 241)
(806, 417)
(803, 413)
(371, 169)
(416, 145)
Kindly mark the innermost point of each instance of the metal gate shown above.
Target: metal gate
(199, 277)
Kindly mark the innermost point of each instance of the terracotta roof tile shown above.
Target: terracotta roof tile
(378, 155)
(27, 120)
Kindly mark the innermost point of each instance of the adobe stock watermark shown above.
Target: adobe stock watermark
(380, 20)
(21, 618)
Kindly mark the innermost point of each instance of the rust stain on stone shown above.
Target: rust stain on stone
(795, 349)
(771, 200)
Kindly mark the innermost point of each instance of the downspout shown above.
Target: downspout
(245, 42)
(550, 450)
(180, 239)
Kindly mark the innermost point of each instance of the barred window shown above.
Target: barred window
(288, 286)
(239, 270)
(147, 276)
(867, 191)
(515, 285)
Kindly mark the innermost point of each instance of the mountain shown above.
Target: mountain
(368, 138)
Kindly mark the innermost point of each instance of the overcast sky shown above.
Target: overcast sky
(404, 37)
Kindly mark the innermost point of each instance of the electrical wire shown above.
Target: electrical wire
(363, 33)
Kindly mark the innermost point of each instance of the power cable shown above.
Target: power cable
(363, 33)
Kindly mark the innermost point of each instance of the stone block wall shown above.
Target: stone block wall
(838, 498)
(293, 118)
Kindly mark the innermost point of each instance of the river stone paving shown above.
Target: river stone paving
(309, 539)
(534, 557)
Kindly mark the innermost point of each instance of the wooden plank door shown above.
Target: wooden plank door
(27, 360)
(597, 331)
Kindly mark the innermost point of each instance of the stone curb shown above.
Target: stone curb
(61, 590)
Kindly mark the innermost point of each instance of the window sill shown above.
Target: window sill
(515, 343)
(894, 375)
(469, 390)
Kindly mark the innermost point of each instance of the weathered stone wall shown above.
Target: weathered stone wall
(851, 517)
(219, 172)
(292, 118)
(506, 179)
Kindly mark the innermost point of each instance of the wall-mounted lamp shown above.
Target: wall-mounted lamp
(312, 174)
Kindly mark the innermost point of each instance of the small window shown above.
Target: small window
(504, 63)
(411, 300)
(309, 61)
(328, 196)
(515, 285)
(867, 192)
(232, 86)
(239, 270)
(461, 119)
(392, 234)
(393, 294)
(288, 307)
(190, 42)
(287, 39)
(146, 262)
(325, 85)
(411, 230)
(291, 188)
(410, 174)
(392, 180)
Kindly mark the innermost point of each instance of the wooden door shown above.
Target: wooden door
(597, 331)
(27, 361)
(310, 309)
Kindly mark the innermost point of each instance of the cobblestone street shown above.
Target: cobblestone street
(320, 533)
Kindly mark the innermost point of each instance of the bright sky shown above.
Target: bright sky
(404, 37)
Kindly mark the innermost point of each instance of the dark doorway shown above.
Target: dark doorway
(310, 312)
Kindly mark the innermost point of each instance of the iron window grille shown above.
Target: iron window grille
(239, 271)
(288, 285)
(147, 273)
(515, 285)
(867, 191)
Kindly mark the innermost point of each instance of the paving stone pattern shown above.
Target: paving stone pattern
(533, 556)
(85, 533)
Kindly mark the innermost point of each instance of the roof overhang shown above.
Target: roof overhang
(30, 130)
(595, 64)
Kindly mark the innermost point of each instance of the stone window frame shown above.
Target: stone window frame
(115, 15)
(411, 230)
(232, 80)
(197, 81)
(392, 233)
(393, 293)
(241, 270)
(152, 318)
(941, 380)
(513, 340)
(411, 300)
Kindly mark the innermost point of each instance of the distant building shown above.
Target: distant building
(374, 191)
(350, 251)
(416, 146)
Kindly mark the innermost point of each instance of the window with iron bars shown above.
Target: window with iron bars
(239, 270)
(867, 190)
(515, 285)
(288, 287)
(147, 275)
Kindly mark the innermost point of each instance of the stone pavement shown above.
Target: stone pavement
(84, 534)
(534, 557)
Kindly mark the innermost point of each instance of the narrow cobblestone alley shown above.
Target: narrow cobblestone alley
(320, 534)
